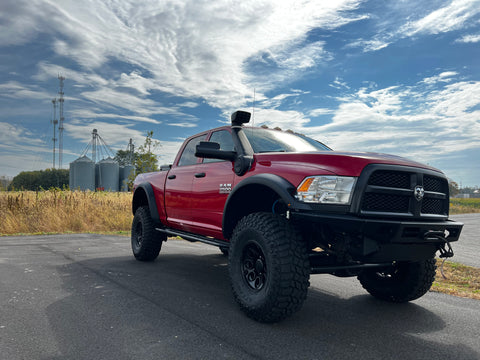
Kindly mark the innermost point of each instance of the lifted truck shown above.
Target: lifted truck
(283, 206)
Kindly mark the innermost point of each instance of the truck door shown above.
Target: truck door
(212, 183)
(178, 186)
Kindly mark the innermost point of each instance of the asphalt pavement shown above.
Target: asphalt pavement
(467, 248)
(84, 296)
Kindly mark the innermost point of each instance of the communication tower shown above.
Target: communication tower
(55, 122)
(60, 125)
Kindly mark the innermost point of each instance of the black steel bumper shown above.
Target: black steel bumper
(386, 239)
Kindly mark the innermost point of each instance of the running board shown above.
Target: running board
(193, 237)
(332, 269)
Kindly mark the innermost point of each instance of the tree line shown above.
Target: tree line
(40, 179)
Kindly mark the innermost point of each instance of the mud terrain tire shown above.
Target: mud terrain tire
(146, 241)
(269, 267)
(405, 281)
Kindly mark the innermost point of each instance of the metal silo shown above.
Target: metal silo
(71, 177)
(108, 175)
(125, 172)
(82, 174)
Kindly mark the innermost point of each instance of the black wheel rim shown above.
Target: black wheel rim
(254, 267)
(138, 234)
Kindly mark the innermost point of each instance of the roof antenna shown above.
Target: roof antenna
(253, 109)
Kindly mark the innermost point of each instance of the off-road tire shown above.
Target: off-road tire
(268, 266)
(146, 241)
(403, 282)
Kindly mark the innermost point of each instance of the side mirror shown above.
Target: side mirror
(211, 150)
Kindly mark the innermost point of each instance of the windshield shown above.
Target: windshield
(264, 140)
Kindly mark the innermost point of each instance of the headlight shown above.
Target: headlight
(326, 189)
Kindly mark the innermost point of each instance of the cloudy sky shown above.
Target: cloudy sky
(400, 77)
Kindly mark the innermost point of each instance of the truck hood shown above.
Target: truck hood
(339, 163)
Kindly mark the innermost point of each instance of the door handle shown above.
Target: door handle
(172, 176)
(200, 175)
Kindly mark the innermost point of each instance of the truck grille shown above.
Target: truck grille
(391, 192)
(385, 203)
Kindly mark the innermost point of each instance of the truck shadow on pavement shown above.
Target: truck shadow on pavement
(180, 306)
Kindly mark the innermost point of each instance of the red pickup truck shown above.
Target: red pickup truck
(284, 206)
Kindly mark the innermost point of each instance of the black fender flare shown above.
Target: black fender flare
(276, 183)
(146, 190)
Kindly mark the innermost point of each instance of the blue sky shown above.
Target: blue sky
(400, 77)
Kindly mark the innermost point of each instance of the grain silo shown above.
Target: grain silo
(108, 175)
(125, 172)
(102, 175)
(82, 174)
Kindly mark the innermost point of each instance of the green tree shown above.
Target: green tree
(144, 159)
(41, 179)
(453, 188)
(123, 158)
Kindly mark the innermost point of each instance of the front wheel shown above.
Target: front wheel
(146, 241)
(402, 282)
(268, 266)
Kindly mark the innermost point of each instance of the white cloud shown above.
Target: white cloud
(412, 121)
(320, 112)
(97, 114)
(16, 90)
(14, 135)
(442, 77)
(420, 121)
(451, 17)
(292, 120)
(410, 20)
(469, 39)
(302, 58)
(370, 45)
(183, 124)
(188, 48)
(115, 135)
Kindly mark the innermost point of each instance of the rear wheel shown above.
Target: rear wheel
(268, 266)
(146, 241)
(404, 281)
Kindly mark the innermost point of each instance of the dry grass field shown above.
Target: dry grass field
(459, 280)
(464, 206)
(61, 211)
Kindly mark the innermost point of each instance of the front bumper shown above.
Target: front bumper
(378, 240)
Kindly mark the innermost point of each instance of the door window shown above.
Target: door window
(224, 138)
(188, 156)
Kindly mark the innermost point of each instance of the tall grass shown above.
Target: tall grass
(59, 211)
(463, 206)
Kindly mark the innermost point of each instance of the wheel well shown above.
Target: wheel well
(250, 199)
(139, 199)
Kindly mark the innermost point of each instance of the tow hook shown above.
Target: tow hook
(444, 246)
